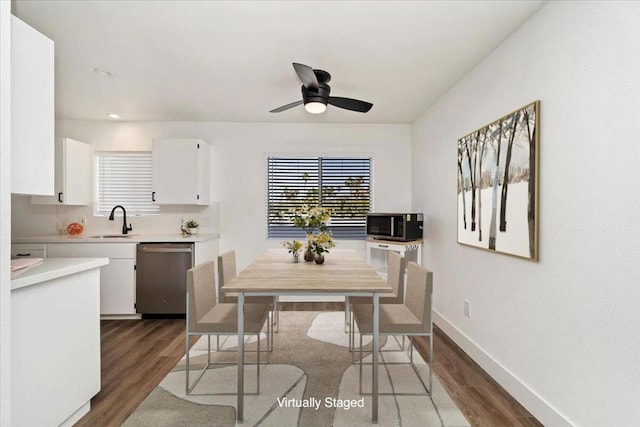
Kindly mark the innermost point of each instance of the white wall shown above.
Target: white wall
(239, 153)
(561, 335)
(5, 209)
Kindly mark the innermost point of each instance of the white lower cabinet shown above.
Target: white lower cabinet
(117, 279)
(117, 287)
(55, 349)
(206, 251)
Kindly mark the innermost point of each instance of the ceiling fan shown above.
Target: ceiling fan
(315, 93)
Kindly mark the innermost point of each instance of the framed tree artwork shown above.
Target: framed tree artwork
(498, 185)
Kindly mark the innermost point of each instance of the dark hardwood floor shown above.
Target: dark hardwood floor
(137, 354)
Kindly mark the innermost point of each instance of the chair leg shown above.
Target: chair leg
(347, 317)
(430, 362)
(352, 332)
(276, 312)
(428, 388)
(187, 370)
(411, 352)
(360, 363)
(270, 335)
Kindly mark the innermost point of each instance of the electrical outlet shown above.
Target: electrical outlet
(206, 221)
(466, 308)
(83, 221)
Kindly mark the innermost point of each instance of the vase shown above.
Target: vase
(319, 259)
(308, 254)
(193, 230)
(296, 257)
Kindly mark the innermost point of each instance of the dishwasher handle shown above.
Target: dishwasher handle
(164, 250)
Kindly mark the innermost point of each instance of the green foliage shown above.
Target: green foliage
(322, 243)
(350, 200)
(311, 218)
(293, 246)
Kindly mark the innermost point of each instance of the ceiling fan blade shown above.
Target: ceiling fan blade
(350, 104)
(306, 76)
(286, 107)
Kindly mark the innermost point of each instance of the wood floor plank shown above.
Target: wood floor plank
(137, 354)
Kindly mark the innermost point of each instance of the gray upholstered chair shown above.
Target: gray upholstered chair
(413, 318)
(395, 279)
(226, 272)
(207, 317)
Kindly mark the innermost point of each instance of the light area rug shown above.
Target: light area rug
(309, 363)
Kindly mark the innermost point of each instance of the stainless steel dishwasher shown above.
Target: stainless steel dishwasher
(161, 278)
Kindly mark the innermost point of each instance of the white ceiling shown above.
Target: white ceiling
(231, 60)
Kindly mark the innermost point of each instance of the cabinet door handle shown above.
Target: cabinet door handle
(23, 254)
(153, 196)
(383, 246)
(60, 197)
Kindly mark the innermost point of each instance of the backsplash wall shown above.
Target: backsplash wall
(44, 220)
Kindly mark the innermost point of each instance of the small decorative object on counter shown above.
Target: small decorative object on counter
(75, 229)
(294, 249)
(192, 226)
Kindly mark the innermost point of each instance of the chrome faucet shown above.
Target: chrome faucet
(125, 229)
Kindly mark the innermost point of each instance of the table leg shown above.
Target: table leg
(374, 375)
(239, 415)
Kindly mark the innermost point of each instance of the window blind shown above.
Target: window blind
(124, 178)
(338, 183)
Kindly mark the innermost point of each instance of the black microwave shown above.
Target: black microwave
(395, 226)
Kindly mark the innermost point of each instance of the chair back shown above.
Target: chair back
(395, 275)
(226, 272)
(420, 293)
(201, 288)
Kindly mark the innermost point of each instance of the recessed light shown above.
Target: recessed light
(103, 72)
(113, 115)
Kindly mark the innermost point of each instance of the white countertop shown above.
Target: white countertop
(53, 268)
(133, 238)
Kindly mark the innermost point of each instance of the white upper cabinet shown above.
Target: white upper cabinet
(181, 171)
(73, 178)
(32, 110)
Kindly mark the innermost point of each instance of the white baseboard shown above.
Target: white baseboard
(75, 417)
(120, 316)
(539, 408)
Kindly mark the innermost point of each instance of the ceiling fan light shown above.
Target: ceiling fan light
(315, 107)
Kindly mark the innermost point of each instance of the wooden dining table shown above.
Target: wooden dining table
(343, 273)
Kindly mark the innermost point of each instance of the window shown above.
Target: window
(124, 178)
(340, 184)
